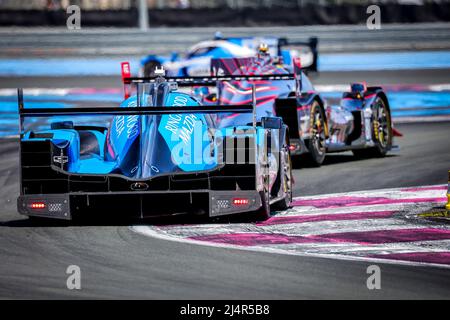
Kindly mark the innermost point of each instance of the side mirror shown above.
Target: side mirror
(271, 122)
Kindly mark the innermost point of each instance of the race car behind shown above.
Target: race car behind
(361, 122)
(196, 61)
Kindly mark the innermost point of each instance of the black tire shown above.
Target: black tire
(149, 68)
(297, 161)
(285, 180)
(316, 144)
(263, 213)
(43, 221)
(381, 132)
(35, 220)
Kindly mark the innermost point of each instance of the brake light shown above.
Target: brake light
(292, 147)
(240, 201)
(38, 205)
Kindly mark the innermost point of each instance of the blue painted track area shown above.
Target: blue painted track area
(327, 62)
(406, 102)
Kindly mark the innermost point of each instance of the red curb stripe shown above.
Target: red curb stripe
(388, 236)
(349, 201)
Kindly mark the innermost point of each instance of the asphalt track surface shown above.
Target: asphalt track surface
(118, 263)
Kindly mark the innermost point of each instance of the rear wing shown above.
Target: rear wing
(108, 110)
(214, 79)
(209, 81)
(116, 111)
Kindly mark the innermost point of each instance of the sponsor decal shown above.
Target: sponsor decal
(128, 124)
(181, 126)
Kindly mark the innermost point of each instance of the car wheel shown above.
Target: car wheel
(263, 213)
(149, 68)
(286, 181)
(35, 220)
(43, 221)
(381, 132)
(316, 143)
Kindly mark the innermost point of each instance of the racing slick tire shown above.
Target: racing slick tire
(263, 213)
(381, 132)
(43, 221)
(316, 144)
(285, 181)
(149, 68)
(35, 220)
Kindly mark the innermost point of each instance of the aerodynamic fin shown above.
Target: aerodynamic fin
(126, 73)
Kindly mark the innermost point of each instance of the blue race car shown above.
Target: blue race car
(161, 152)
(196, 62)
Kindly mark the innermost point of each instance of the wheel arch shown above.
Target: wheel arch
(379, 92)
(383, 96)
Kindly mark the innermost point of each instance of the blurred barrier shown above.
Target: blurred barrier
(310, 14)
(57, 18)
